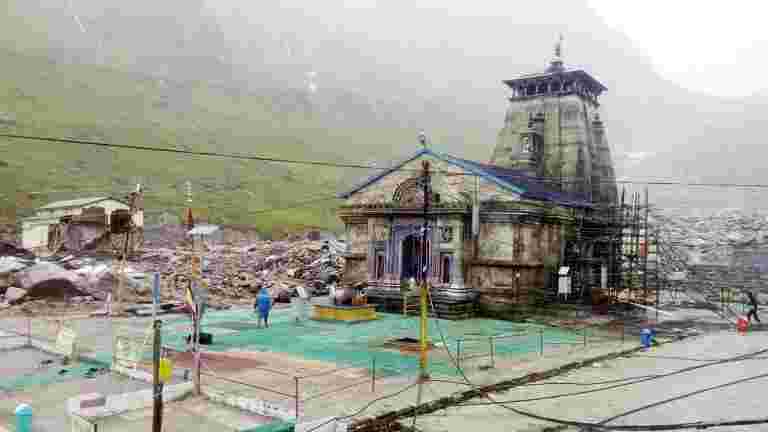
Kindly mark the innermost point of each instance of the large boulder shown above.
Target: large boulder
(99, 280)
(15, 295)
(46, 280)
(10, 249)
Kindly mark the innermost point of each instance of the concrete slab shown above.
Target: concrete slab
(49, 402)
(194, 414)
(741, 400)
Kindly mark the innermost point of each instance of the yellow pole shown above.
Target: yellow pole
(423, 333)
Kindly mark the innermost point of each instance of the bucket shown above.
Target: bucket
(742, 324)
(23, 418)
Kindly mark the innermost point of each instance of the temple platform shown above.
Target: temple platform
(329, 312)
(449, 304)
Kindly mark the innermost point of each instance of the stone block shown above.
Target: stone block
(15, 295)
(327, 424)
(91, 400)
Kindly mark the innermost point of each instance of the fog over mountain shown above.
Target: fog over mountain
(405, 68)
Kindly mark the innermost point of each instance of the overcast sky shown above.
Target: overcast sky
(715, 47)
(710, 46)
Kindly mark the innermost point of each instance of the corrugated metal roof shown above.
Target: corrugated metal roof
(533, 188)
(203, 230)
(81, 202)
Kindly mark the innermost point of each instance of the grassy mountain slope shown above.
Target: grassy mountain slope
(42, 97)
(55, 83)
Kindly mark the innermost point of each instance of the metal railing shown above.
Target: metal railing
(299, 384)
(488, 347)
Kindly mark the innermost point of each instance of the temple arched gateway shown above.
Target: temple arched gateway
(498, 230)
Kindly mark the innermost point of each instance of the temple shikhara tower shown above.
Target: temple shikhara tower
(500, 233)
(552, 129)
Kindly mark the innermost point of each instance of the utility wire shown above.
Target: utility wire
(365, 407)
(601, 426)
(686, 395)
(356, 165)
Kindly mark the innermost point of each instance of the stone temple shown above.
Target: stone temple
(499, 231)
(552, 129)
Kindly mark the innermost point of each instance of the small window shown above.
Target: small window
(446, 261)
(379, 271)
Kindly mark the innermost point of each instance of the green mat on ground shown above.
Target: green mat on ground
(277, 426)
(50, 375)
(355, 345)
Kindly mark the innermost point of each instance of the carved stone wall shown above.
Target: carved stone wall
(507, 251)
(450, 182)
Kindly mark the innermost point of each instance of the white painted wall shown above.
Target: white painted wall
(35, 233)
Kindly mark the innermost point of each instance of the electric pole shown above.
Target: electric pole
(193, 291)
(424, 274)
(157, 386)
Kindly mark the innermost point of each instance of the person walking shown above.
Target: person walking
(753, 311)
(263, 306)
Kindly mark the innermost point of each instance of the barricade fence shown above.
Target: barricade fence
(131, 348)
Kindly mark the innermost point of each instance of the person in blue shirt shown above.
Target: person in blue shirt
(263, 305)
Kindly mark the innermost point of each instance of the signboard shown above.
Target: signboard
(66, 342)
(564, 281)
(603, 277)
(127, 352)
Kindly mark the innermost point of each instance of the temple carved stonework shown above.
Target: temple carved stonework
(552, 129)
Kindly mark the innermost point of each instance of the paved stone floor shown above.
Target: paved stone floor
(49, 402)
(97, 333)
(191, 415)
(730, 401)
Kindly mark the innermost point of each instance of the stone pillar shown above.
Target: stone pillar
(457, 271)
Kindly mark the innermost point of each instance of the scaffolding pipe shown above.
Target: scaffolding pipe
(647, 248)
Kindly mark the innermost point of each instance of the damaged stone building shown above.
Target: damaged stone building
(498, 230)
(77, 224)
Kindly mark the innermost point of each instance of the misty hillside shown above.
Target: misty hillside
(307, 80)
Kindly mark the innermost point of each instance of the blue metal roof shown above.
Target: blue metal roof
(385, 172)
(532, 187)
(516, 182)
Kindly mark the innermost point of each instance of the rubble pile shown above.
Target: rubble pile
(237, 271)
(728, 249)
(711, 239)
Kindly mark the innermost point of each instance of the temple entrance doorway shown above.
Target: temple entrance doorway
(412, 257)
